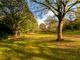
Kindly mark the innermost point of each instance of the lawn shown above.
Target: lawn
(40, 47)
(72, 32)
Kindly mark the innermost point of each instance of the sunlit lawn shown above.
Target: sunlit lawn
(40, 47)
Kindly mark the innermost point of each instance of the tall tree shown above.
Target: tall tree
(14, 12)
(60, 8)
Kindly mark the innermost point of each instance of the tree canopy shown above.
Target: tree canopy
(16, 15)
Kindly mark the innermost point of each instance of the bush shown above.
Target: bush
(72, 25)
(3, 35)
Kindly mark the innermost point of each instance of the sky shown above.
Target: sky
(50, 13)
(42, 15)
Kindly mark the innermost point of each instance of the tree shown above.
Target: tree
(51, 24)
(13, 13)
(60, 8)
(72, 24)
(12, 6)
(42, 27)
(29, 24)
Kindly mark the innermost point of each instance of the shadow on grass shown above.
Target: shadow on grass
(27, 50)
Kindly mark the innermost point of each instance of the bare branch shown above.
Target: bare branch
(69, 9)
(48, 6)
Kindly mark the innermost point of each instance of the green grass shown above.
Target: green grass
(77, 32)
(40, 47)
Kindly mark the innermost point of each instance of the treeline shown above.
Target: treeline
(50, 25)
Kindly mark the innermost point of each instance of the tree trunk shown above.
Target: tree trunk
(60, 27)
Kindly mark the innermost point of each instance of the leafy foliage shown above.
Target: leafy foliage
(51, 24)
(42, 27)
(15, 18)
(29, 24)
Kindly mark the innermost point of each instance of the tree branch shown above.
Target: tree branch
(72, 6)
(49, 7)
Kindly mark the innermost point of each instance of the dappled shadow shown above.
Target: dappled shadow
(36, 50)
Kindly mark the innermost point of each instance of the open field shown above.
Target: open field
(40, 47)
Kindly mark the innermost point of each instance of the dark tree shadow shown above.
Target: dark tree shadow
(19, 51)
